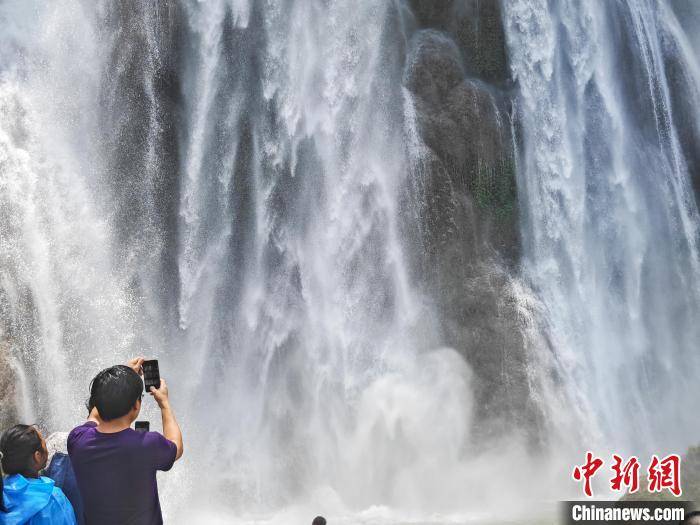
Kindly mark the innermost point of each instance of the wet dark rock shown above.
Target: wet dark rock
(690, 475)
(684, 100)
(8, 387)
(465, 126)
(477, 29)
(465, 196)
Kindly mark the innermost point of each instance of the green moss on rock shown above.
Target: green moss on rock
(493, 188)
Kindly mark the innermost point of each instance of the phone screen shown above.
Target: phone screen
(151, 374)
(142, 426)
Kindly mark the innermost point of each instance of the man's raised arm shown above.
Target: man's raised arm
(171, 430)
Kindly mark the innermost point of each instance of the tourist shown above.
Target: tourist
(61, 472)
(116, 466)
(319, 520)
(26, 496)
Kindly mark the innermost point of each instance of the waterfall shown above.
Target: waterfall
(307, 211)
(217, 185)
(610, 223)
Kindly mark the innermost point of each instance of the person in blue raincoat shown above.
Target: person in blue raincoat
(28, 498)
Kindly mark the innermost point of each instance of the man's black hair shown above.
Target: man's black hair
(115, 390)
(90, 403)
(319, 520)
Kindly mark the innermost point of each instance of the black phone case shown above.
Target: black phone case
(151, 375)
(142, 426)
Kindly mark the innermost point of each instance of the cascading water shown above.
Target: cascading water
(224, 185)
(268, 277)
(610, 222)
(293, 291)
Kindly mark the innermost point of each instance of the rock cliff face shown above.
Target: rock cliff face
(684, 93)
(8, 387)
(457, 73)
(476, 28)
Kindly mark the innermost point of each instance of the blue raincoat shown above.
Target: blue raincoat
(35, 502)
(61, 472)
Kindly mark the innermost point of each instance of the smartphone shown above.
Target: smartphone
(151, 374)
(142, 426)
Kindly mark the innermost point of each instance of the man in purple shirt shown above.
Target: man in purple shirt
(114, 465)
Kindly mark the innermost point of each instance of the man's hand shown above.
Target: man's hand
(171, 430)
(135, 364)
(160, 394)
